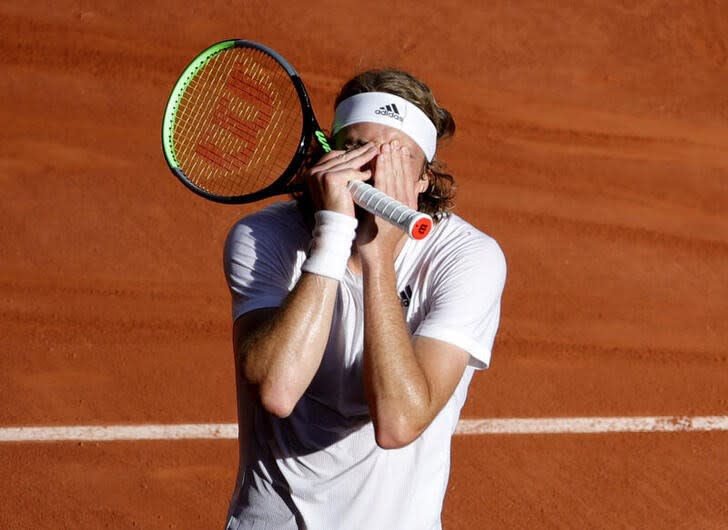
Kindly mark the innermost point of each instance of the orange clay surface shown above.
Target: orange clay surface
(592, 144)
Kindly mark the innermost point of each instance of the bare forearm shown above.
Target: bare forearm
(283, 354)
(397, 390)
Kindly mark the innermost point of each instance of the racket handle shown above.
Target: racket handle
(415, 224)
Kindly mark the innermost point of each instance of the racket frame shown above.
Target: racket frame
(309, 126)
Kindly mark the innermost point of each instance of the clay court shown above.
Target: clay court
(592, 143)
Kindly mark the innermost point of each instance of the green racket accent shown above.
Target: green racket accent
(323, 141)
(188, 75)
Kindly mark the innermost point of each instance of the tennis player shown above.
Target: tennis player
(355, 345)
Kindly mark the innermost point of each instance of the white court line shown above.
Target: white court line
(593, 425)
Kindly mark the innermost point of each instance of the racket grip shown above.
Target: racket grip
(417, 225)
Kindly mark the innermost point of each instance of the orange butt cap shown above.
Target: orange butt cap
(421, 228)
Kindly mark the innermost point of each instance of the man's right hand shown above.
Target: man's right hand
(327, 180)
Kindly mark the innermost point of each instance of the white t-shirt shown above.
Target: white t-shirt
(320, 468)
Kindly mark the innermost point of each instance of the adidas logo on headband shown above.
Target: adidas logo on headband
(390, 111)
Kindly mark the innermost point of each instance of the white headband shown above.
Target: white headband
(391, 110)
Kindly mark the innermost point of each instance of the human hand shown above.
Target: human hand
(327, 180)
(397, 174)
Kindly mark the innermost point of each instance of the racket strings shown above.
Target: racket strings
(238, 123)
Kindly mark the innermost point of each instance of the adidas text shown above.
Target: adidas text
(390, 111)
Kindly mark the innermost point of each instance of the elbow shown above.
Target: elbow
(274, 399)
(396, 434)
(277, 402)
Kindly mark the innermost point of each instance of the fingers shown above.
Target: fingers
(394, 173)
(353, 159)
(327, 180)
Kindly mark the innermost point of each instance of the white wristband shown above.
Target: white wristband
(331, 244)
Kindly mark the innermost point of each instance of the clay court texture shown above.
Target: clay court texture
(592, 143)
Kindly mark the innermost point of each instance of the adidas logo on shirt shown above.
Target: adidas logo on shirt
(390, 111)
(405, 297)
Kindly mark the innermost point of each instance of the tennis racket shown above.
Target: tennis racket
(239, 125)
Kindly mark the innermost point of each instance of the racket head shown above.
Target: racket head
(238, 123)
